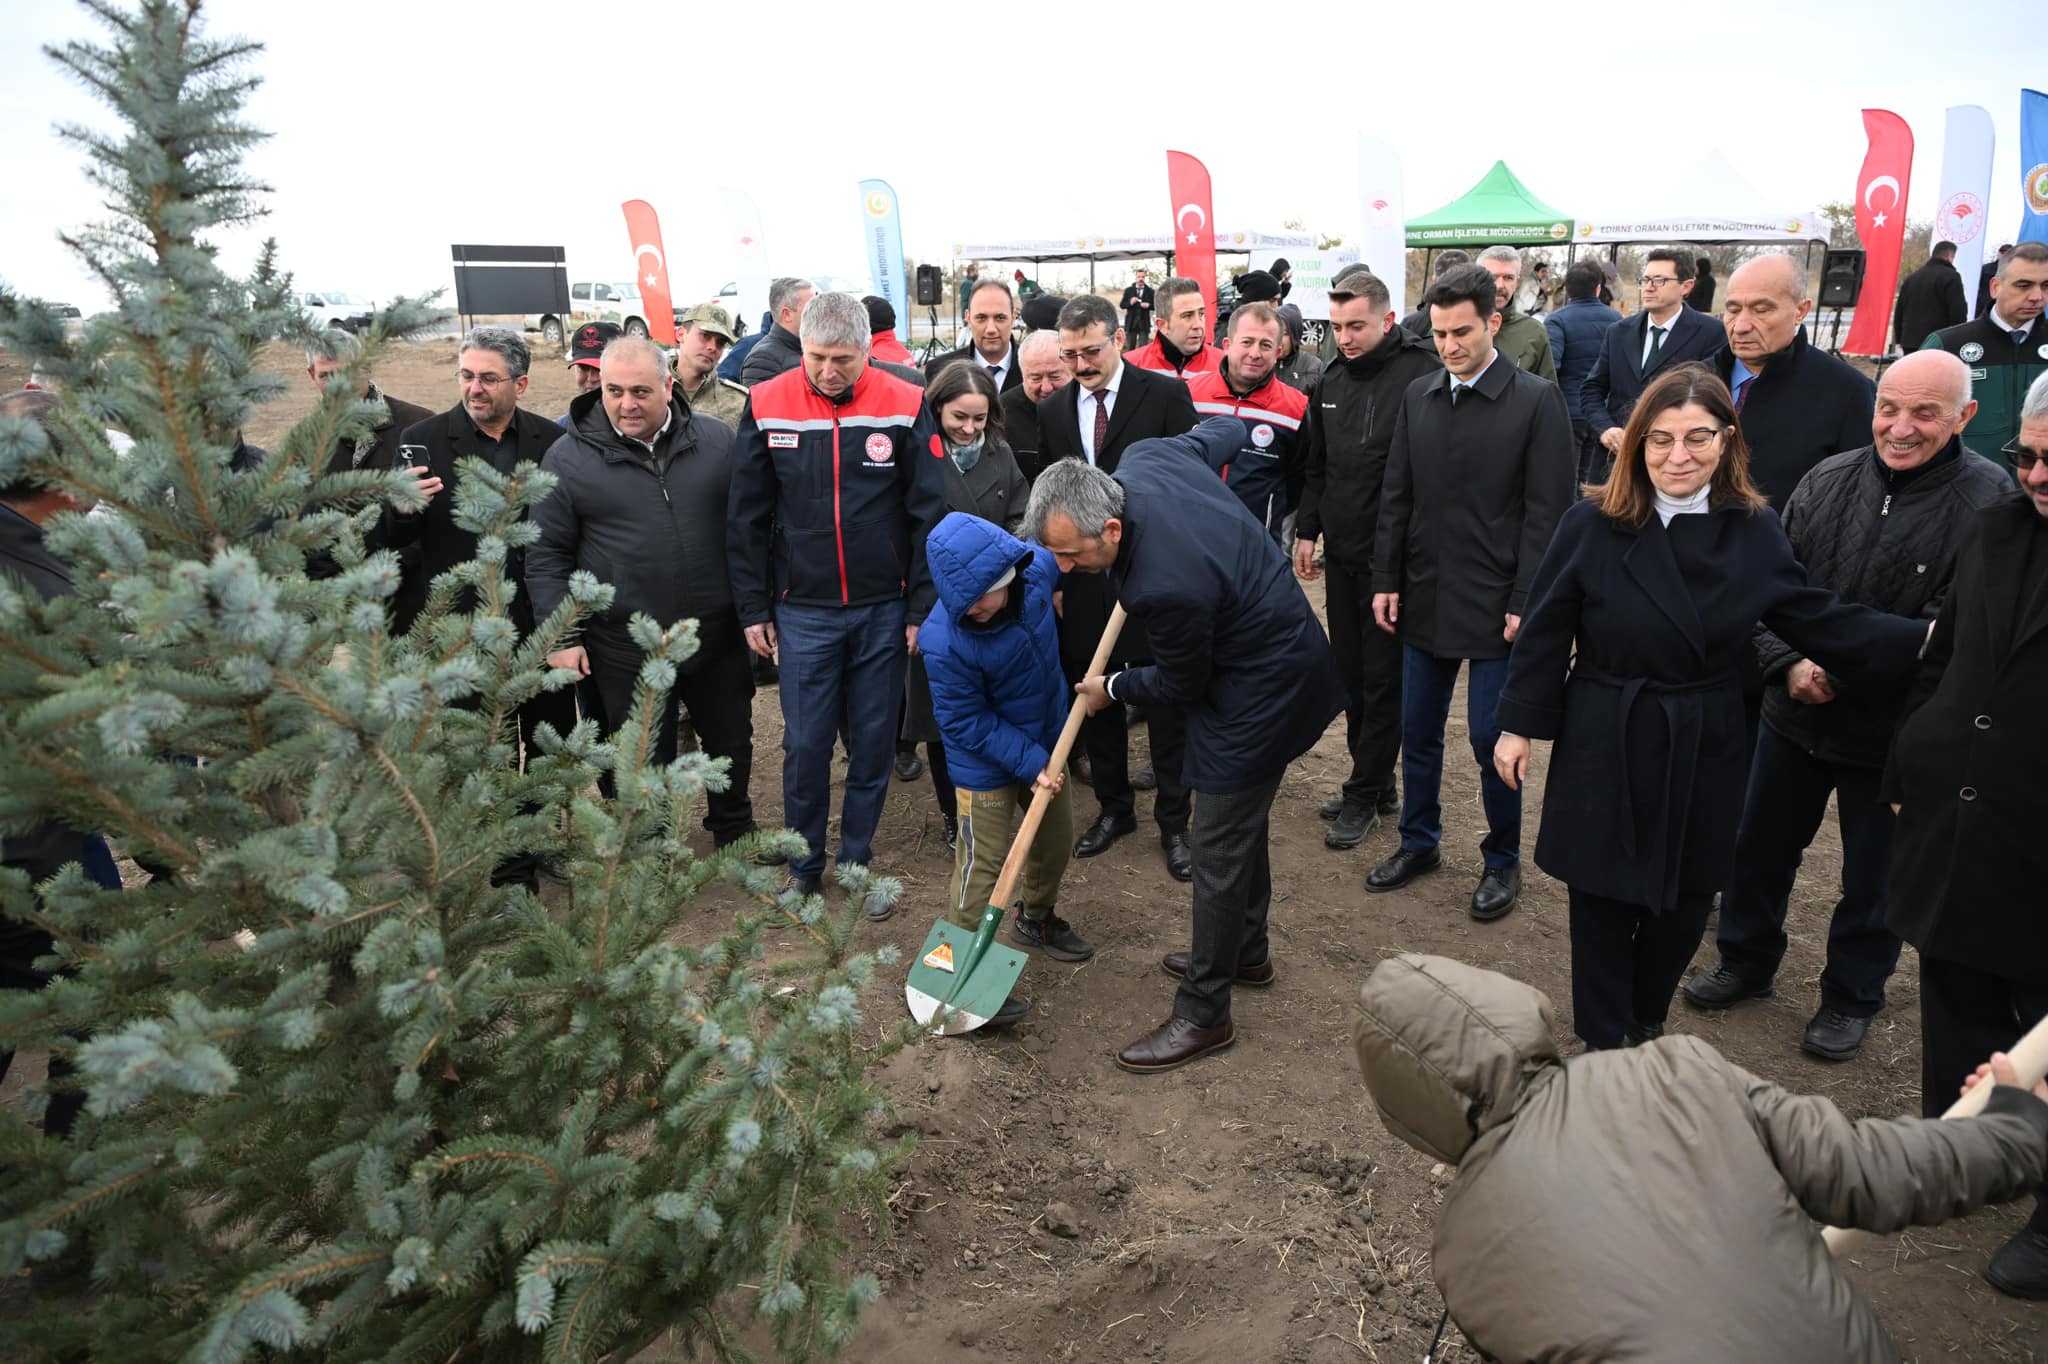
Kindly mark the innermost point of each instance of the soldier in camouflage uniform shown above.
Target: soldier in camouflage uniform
(707, 331)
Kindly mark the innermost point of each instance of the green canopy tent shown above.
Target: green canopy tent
(1498, 210)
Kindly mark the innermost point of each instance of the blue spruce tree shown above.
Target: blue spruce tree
(346, 1099)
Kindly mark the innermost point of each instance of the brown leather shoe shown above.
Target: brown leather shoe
(1258, 977)
(1174, 1043)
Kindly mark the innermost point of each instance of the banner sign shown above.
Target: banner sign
(1881, 188)
(643, 229)
(1194, 226)
(882, 227)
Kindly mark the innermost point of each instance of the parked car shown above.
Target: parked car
(69, 315)
(336, 308)
(597, 301)
(728, 297)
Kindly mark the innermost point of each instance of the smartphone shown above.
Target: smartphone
(412, 456)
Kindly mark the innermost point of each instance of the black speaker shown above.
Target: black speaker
(1841, 279)
(931, 286)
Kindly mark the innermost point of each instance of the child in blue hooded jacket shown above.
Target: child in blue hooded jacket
(991, 649)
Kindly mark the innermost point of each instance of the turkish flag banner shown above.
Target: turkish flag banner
(1881, 223)
(650, 266)
(1194, 231)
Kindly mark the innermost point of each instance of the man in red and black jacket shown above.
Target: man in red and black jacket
(1265, 471)
(1181, 345)
(837, 482)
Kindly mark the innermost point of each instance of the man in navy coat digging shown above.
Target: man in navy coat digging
(1238, 648)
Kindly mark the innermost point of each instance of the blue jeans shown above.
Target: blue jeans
(836, 659)
(1426, 686)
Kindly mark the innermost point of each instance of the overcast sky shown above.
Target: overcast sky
(403, 127)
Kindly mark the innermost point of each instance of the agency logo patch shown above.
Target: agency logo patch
(1970, 353)
(880, 448)
(1262, 435)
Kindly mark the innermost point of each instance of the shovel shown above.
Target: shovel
(960, 979)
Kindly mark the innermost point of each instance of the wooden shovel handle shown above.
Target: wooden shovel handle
(2029, 1057)
(1020, 846)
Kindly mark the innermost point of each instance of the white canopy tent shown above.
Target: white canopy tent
(1712, 203)
(1142, 246)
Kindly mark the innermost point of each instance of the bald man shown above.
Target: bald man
(1798, 404)
(1880, 526)
(1045, 374)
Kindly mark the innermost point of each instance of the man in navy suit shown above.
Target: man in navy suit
(1663, 334)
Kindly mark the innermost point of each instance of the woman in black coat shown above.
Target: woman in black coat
(1702, 295)
(1629, 657)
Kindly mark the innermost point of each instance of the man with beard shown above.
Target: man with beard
(1349, 429)
(488, 423)
(1522, 338)
(1182, 345)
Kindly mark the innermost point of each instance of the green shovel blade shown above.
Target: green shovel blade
(960, 979)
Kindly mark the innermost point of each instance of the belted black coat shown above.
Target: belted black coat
(1629, 658)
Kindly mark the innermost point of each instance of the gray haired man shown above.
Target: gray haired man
(779, 351)
(489, 424)
(836, 483)
(1521, 338)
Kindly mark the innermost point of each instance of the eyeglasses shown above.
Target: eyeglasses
(2023, 457)
(1089, 353)
(1656, 281)
(487, 380)
(1698, 439)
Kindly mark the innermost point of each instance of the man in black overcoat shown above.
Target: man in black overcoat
(1110, 406)
(1238, 650)
(1137, 309)
(1929, 299)
(1880, 526)
(1969, 862)
(1480, 470)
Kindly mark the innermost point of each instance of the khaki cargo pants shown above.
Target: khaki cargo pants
(988, 822)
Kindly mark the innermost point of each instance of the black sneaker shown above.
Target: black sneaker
(801, 885)
(952, 823)
(1390, 804)
(909, 767)
(1330, 808)
(1721, 987)
(1350, 827)
(1053, 936)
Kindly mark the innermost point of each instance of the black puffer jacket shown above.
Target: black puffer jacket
(1880, 539)
(1350, 425)
(776, 353)
(650, 523)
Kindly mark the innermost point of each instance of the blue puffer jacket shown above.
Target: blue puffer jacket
(997, 690)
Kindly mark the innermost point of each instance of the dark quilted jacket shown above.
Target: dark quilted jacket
(1891, 548)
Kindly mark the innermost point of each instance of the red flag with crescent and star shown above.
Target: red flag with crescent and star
(1194, 231)
(650, 268)
(1881, 223)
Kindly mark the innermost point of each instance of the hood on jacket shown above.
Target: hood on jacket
(1449, 1051)
(966, 555)
(588, 419)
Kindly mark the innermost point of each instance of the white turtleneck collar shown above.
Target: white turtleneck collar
(1668, 507)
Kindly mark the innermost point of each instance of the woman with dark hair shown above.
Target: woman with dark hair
(1702, 296)
(982, 479)
(1629, 658)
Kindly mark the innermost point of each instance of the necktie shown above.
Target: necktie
(1101, 424)
(2019, 336)
(1742, 393)
(1457, 392)
(1656, 341)
(995, 372)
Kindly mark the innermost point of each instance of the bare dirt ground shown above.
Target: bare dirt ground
(1250, 1207)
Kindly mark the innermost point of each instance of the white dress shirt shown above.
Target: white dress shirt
(1086, 409)
(1001, 367)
